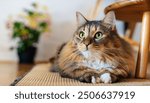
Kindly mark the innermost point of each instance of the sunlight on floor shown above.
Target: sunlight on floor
(8, 73)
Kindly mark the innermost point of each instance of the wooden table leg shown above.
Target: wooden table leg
(142, 61)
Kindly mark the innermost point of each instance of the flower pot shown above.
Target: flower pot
(28, 55)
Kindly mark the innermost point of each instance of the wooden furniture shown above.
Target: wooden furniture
(136, 11)
(95, 10)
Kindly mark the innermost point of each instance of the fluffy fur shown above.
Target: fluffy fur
(96, 53)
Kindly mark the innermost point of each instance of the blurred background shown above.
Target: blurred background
(51, 21)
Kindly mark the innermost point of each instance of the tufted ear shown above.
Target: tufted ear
(80, 19)
(110, 19)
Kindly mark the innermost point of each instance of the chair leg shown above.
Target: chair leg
(142, 60)
(130, 30)
(96, 10)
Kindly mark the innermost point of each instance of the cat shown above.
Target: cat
(96, 53)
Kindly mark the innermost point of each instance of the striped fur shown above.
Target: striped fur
(90, 60)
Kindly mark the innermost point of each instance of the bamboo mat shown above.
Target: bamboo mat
(40, 76)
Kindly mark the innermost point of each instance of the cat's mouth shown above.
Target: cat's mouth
(85, 49)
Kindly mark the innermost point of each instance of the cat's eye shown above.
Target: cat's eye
(81, 34)
(98, 35)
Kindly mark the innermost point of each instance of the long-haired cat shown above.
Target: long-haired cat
(96, 53)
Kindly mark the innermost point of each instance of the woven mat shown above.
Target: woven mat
(40, 76)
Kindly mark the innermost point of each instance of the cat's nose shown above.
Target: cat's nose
(87, 42)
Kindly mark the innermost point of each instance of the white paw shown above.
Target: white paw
(105, 78)
(93, 80)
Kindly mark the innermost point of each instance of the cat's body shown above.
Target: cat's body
(96, 53)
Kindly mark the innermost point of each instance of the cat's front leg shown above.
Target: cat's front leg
(104, 78)
(89, 77)
(83, 74)
(113, 75)
(94, 78)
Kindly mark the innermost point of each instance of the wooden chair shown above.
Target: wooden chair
(95, 10)
(133, 11)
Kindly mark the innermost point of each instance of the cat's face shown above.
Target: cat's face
(91, 36)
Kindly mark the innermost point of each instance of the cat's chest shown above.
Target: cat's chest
(94, 61)
(96, 64)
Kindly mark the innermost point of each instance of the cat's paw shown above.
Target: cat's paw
(105, 78)
(95, 79)
(89, 78)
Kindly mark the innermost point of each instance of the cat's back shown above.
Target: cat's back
(123, 44)
(130, 56)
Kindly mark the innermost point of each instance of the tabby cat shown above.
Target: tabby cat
(96, 53)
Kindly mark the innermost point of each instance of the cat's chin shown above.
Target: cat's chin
(86, 53)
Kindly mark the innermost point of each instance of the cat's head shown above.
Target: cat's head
(93, 35)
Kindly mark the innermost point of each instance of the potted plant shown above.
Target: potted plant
(28, 30)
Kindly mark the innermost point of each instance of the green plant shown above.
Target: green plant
(29, 30)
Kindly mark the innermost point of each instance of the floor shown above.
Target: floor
(40, 76)
(10, 71)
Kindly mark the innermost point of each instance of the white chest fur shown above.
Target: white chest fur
(95, 63)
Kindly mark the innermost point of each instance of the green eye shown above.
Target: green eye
(81, 34)
(98, 35)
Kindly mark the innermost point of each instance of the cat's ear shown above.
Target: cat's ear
(110, 19)
(80, 19)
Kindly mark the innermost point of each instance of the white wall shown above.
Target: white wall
(63, 24)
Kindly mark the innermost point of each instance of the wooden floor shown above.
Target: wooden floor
(23, 69)
(10, 71)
